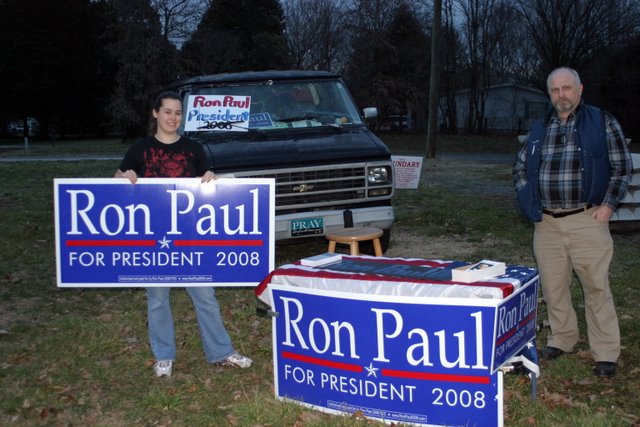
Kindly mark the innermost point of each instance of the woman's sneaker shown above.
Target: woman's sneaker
(163, 368)
(236, 360)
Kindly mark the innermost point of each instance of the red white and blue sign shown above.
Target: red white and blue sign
(425, 361)
(163, 232)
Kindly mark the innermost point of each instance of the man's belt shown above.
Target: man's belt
(562, 214)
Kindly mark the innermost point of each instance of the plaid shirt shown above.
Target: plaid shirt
(559, 173)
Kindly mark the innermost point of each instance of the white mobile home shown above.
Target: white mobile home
(509, 108)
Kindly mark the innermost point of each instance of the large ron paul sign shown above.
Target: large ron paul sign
(424, 361)
(163, 232)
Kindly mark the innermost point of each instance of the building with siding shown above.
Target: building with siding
(509, 109)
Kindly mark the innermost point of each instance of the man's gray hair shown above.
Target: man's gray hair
(562, 70)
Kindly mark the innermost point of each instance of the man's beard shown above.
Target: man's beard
(564, 106)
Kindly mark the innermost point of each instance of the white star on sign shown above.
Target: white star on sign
(164, 243)
(371, 370)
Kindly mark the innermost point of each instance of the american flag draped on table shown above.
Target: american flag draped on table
(395, 276)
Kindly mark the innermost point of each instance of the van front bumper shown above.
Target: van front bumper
(320, 223)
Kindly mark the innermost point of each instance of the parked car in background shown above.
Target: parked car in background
(16, 127)
(395, 123)
(305, 131)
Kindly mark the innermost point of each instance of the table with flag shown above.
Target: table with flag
(397, 339)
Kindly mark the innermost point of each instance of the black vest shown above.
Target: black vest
(591, 138)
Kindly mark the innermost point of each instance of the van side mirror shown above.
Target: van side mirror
(370, 113)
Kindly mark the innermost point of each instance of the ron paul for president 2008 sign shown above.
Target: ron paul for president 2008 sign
(163, 232)
(426, 361)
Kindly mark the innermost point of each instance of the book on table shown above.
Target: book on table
(321, 259)
(479, 271)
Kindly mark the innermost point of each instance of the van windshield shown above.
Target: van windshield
(269, 106)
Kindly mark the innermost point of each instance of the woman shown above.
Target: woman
(167, 154)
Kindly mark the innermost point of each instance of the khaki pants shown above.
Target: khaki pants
(578, 243)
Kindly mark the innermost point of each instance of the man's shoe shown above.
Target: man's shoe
(551, 353)
(236, 360)
(605, 369)
(163, 368)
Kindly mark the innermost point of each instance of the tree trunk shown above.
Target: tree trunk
(434, 85)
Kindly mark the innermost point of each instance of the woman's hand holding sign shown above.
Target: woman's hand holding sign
(130, 174)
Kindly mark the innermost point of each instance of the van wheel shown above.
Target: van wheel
(366, 248)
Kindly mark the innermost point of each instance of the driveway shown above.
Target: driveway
(57, 158)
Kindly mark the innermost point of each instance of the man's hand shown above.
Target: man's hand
(602, 213)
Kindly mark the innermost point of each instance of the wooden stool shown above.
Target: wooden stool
(352, 236)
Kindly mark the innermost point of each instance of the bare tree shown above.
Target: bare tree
(373, 16)
(179, 18)
(574, 32)
(316, 33)
(434, 85)
(368, 21)
(516, 58)
(450, 71)
(484, 28)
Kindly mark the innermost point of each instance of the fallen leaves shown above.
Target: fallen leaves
(48, 412)
(561, 399)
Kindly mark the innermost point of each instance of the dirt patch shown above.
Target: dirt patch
(406, 244)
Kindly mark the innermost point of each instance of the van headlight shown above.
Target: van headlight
(378, 175)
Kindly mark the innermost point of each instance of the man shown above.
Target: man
(570, 175)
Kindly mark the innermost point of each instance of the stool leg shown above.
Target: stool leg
(355, 250)
(332, 246)
(377, 248)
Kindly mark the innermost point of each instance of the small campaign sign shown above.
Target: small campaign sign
(515, 323)
(420, 361)
(163, 232)
(217, 113)
(407, 171)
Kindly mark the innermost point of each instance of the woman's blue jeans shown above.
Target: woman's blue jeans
(215, 339)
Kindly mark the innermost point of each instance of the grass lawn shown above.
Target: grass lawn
(81, 357)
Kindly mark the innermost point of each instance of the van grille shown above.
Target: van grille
(310, 188)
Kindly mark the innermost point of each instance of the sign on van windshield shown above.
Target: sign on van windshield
(229, 113)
